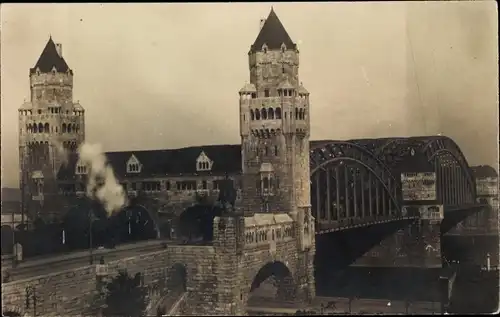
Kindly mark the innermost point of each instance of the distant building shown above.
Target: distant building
(487, 191)
(11, 207)
(486, 181)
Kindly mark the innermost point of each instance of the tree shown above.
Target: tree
(125, 296)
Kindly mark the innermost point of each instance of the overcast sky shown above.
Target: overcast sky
(156, 76)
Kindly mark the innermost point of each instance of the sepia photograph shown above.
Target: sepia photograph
(249, 159)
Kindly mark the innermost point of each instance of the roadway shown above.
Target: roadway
(341, 306)
(370, 306)
(47, 265)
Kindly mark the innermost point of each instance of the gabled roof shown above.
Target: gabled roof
(273, 34)
(49, 59)
(226, 159)
(285, 85)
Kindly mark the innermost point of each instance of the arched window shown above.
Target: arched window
(46, 128)
(252, 116)
(270, 113)
(265, 182)
(266, 150)
(263, 113)
(63, 128)
(40, 127)
(277, 113)
(69, 128)
(257, 114)
(296, 113)
(276, 150)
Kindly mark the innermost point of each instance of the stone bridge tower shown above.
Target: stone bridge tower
(51, 126)
(275, 125)
(273, 230)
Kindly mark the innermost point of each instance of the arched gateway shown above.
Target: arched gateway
(273, 281)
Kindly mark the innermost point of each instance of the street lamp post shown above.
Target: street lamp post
(14, 249)
(90, 238)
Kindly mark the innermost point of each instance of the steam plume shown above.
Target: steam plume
(102, 184)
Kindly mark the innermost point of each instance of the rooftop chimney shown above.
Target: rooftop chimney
(59, 49)
(262, 21)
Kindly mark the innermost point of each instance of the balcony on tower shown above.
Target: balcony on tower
(286, 90)
(267, 183)
(38, 180)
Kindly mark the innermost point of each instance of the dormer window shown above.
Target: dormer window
(81, 169)
(203, 162)
(283, 47)
(133, 165)
(264, 48)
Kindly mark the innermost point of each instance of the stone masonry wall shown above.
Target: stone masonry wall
(70, 292)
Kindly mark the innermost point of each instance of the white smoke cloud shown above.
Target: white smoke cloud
(102, 184)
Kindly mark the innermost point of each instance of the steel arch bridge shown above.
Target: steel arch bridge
(357, 183)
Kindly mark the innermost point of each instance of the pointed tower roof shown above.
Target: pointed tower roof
(50, 58)
(303, 90)
(248, 88)
(273, 34)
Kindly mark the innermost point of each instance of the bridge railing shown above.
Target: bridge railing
(323, 226)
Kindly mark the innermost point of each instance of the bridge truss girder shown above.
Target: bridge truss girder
(349, 183)
(342, 170)
(455, 184)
